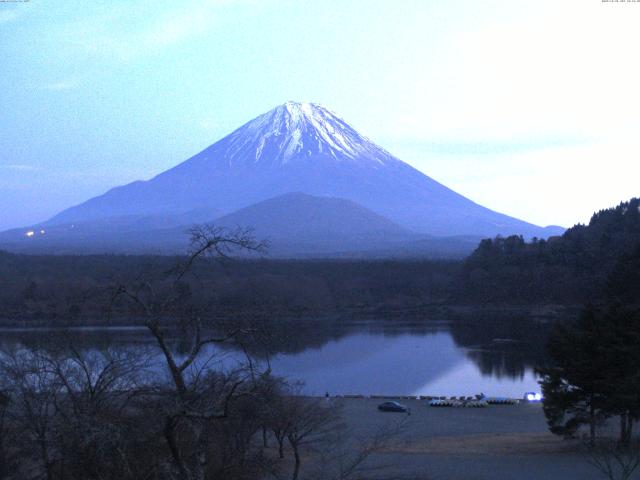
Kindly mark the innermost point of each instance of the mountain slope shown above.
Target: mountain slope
(302, 224)
(301, 147)
(307, 218)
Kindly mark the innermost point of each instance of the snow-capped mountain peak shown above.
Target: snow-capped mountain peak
(297, 131)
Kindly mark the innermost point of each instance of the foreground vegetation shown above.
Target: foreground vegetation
(67, 413)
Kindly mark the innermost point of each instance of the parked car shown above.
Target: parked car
(392, 407)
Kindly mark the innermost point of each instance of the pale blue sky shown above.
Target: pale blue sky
(530, 108)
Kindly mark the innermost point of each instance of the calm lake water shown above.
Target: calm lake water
(406, 364)
(379, 357)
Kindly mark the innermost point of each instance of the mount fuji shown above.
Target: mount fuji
(295, 148)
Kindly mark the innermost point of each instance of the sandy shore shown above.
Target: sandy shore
(497, 442)
(490, 444)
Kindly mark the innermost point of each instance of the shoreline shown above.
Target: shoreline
(423, 314)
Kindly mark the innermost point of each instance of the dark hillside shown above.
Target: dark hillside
(572, 268)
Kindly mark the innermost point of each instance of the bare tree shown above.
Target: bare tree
(615, 461)
(344, 455)
(6, 458)
(96, 414)
(75, 405)
(314, 428)
(196, 397)
(278, 421)
(309, 421)
(92, 380)
(34, 393)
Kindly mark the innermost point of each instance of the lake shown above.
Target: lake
(375, 357)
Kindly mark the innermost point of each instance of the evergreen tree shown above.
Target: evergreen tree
(574, 385)
(622, 389)
(623, 284)
(595, 362)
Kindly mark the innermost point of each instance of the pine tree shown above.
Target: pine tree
(575, 385)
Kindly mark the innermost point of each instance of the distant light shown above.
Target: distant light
(30, 233)
(42, 232)
(533, 397)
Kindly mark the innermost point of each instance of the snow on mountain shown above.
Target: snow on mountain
(297, 130)
(301, 147)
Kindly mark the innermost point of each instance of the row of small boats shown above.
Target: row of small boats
(471, 403)
(479, 401)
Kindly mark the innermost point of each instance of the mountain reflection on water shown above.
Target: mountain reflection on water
(496, 356)
(420, 358)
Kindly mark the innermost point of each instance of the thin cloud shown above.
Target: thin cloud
(106, 36)
(465, 146)
(175, 28)
(18, 167)
(62, 85)
(7, 16)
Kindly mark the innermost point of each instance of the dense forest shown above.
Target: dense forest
(571, 269)
(38, 290)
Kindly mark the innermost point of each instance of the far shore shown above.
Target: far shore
(423, 313)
